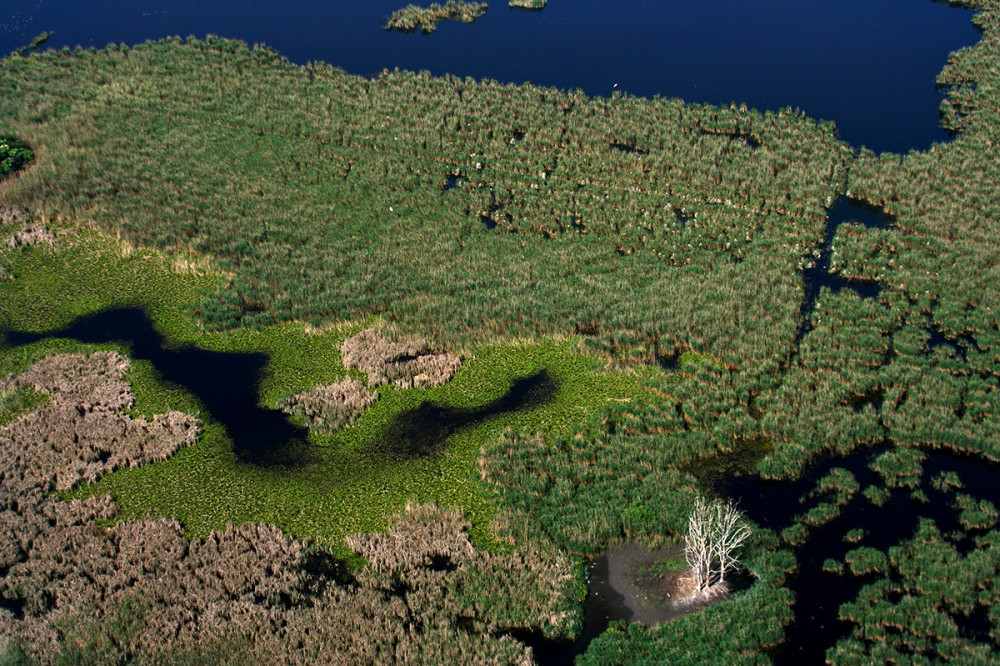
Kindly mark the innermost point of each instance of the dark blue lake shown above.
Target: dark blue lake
(869, 66)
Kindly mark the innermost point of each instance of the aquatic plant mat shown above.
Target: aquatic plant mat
(413, 17)
(636, 289)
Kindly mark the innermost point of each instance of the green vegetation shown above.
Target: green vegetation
(14, 154)
(35, 42)
(347, 486)
(367, 165)
(414, 17)
(17, 400)
(528, 4)
(646, 233)
(661, 568)
(923, 611)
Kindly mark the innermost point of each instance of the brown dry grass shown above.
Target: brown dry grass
(32, 234)
(331, 407)
(407, 364)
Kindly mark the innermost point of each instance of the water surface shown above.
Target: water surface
(869, 66)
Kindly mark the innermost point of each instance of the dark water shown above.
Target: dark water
(819, 594)
(227, 384)
(603, 605)
(869, 66)
(843, 211)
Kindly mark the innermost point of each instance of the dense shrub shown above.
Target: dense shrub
(14, 154)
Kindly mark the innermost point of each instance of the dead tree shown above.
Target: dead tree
(697, 549)
(730, 531)
(715, 533)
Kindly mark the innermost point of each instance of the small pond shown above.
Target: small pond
(627, 583)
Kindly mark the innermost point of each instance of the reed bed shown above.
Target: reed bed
(667, 238)
(142, 591)
(405, 364)
(82, 433)
(929, 606)
(426, 19)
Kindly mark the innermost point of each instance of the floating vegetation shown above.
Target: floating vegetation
(141, 590)
(527, 4)
(425, 19)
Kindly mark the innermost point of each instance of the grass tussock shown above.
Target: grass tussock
(83, 433)
(13, 216)
(331, 407)
(405, 364)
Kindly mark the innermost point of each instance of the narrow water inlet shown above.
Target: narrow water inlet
(423, 431)
(818, 275)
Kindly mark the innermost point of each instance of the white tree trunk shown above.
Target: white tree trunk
(715, 533)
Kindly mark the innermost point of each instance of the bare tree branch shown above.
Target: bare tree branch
(715, 533)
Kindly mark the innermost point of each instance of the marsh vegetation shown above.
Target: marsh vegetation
(666, 287)
(527, 4)
(426, 19)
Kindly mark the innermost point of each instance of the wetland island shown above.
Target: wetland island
(301, 364)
